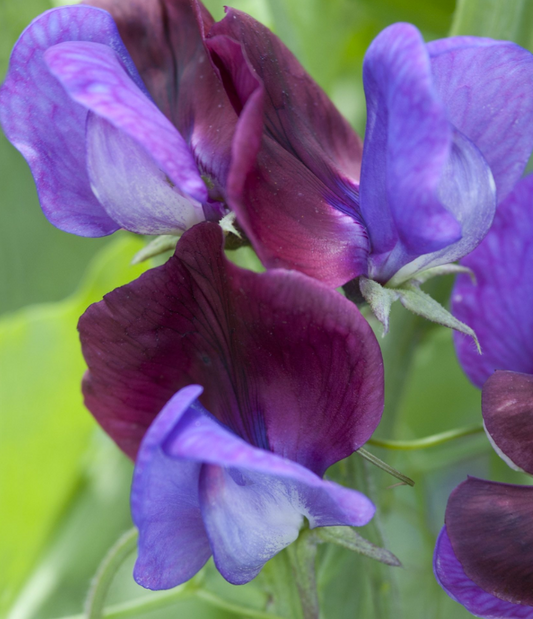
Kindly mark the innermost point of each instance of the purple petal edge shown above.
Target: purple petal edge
(173, 545)
(451, 577)
(47, 127)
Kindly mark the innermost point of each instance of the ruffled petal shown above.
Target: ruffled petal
(507, 405)
(253, 501)
(498, 308)
(48, 127)
(407, 143)
(173, 545)
(452, 578)
(287, 364)
(427, 193)
(165, 41)
(490, 526)
(93, 76)
(295, 163)
(132, 187)
(467, 188)
(487, 88)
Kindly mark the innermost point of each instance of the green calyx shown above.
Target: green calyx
(380, 299)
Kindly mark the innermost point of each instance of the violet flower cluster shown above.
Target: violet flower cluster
(234, 391)
(484, 552)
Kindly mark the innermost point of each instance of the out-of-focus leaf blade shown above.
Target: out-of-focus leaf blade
(510, 20)
(44, 428)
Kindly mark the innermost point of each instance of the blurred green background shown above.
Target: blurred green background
(64, 487)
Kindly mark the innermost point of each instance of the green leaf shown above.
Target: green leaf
(511, 20)
(44, 427)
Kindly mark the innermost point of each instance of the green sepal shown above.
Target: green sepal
(157, 246)
(380, 298)
(350, 539)
(443, 269)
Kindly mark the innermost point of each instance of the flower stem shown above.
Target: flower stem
(384, 466)
(94, 606)
(164, 599)
(302, 554)
(428, 441)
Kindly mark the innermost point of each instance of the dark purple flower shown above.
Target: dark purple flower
(484, 553)
(449, 131)
(499, 306)
(291, 381)
(120, 135)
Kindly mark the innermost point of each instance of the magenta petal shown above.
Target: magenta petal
(452, 578)
(487, 88)
(286, 363)
(295, 161)
(407, 144)
(47, 127)
(173, 544)
(298, 114)
(94, 77)
(491, 532)
(165, 41)
(498, 308)
(507, 404)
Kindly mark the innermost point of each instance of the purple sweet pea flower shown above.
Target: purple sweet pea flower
(484, 553)
(449, 131)
(291, 381)
(113, 141)
(498, 307)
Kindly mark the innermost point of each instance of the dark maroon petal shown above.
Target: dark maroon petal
(452, 578)
(498, 307)
(286, 363)
(295, 161)
(507, 404)
(490, 526)
(298, 114)
(165, 41)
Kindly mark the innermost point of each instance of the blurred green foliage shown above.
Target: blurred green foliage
(44, 428)
(66, 487)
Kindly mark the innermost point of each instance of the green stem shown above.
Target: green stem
(428, 441)
(157, 601)
(219, 602)
(302, 555)
(94, 606)
(384, 466)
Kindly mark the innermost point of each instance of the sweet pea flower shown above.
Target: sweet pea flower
(121, 120)
(234, 391)
(449, 131)
(484, 553)
(499, 306)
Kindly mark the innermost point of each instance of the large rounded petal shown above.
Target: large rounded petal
(490, 529)
(427, 193)
(507, 405)
(287, 363)
(253, 501)
(452, 578)
(48, 127)
(487, 88)
(165, 41)
(135, 155)
(498, 307)
(295, 161)
(165, 507)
